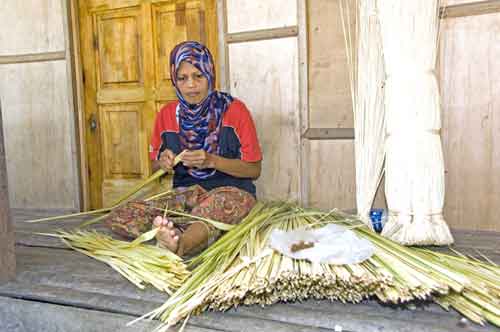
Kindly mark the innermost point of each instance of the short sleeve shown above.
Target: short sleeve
(245, 130)
(165, 121)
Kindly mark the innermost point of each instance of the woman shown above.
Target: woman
(220, 157)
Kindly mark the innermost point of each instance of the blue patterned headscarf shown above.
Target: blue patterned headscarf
(200, 124)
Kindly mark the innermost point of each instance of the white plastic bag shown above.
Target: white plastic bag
(331, 244)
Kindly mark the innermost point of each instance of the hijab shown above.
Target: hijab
(200, 124)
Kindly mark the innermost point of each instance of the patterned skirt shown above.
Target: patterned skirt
(228, 205)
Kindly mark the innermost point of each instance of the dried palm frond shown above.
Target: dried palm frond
(138, 262)
(240, 269)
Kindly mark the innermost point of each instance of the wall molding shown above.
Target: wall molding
(247, 36)
(470, 9)
(316, 134)
(34, 57)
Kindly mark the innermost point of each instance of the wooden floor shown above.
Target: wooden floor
(57, 289)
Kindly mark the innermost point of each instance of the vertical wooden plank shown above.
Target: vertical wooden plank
(471, 123)
(38, 135)
(76, 71)
(223, 49)
(7, 254)
(38, 111)
(210, 28)
(330, 103)
(150, 87)
(304, 161)
(31, 27)
(270, 90)
(332, 174)
(331, 163)
(247, 15)
(92, 138)
(71, 102)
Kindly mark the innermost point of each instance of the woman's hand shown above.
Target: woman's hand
(235, 167)
(166, 161)
(198, 159)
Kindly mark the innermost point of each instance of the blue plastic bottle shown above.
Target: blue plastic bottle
(377, 217)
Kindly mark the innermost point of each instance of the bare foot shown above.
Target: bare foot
(168, 235)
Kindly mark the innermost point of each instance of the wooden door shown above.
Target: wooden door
(125, 55)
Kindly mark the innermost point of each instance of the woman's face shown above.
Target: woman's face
(191, 83)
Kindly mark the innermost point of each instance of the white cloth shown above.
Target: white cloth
(333, 244)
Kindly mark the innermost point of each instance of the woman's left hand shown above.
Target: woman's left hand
(198, 159)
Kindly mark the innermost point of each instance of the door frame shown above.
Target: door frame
(76, 73)
(78, 87)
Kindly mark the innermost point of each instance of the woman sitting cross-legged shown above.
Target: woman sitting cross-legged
(220, 157)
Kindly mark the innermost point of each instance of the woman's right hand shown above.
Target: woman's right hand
(166, 160)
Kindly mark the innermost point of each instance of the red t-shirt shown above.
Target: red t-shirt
(237, 140)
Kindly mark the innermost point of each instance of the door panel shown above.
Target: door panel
(119, 54)
(121, 149)
(173, 23)
(125, 46)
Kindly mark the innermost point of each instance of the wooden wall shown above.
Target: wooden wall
(314, 147)
(35, 90)
(470, 87)
(468, 71)
(330, 153)
(274, 108)
(263, 71)
(330, 170)
(330, 103)
(306, 134)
